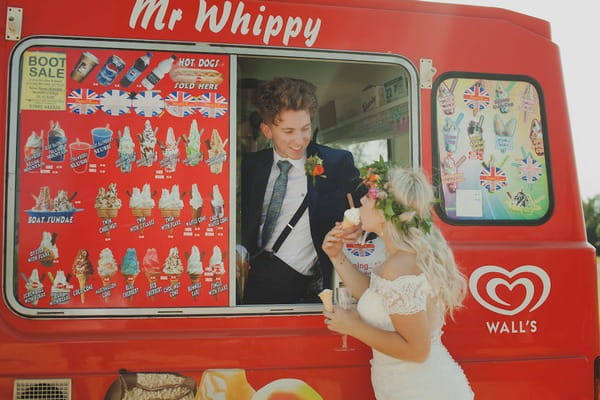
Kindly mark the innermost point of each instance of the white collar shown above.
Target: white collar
(295, 163)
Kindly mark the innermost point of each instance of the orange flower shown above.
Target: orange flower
(318, 170)
(373, 177)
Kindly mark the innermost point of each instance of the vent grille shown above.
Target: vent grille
(42, 389)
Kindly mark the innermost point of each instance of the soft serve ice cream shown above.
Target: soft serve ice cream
(126, 151)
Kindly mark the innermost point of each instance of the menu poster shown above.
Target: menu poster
(122, 179)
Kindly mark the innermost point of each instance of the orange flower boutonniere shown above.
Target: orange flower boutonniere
(314, 168)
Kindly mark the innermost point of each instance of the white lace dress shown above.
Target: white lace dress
(439, 377)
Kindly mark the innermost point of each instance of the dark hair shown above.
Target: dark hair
(282, 94)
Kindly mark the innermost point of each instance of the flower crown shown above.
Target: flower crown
(375, 177)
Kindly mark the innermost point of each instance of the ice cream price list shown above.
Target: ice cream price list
(123, 179)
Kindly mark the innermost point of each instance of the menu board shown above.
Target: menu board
(123, 182)
(490, 137)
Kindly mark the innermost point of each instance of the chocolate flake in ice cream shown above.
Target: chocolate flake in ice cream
(48, 251)
(148, 145)
(107, 201)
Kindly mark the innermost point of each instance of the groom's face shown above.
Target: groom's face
(290, 134)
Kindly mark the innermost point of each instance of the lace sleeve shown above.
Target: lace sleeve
(404, 295)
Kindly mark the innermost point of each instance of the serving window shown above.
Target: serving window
(490, 150)
(123, 167)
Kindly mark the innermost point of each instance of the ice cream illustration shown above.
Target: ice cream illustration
(33, 147)
(536, 137)
(226, 384)
(48, 251)
(107, 201)
(502, 101)
(173, 267)
(130, 267)
(528, 101)
(141, 202)
(170, 151)
(151, 267)
(196, 203)
(504, 133)
(57, 142)
(34, 288)
(217, 202)
(83, 270)
(107, 268)
(446, 97)
(61, 288)
(475, 131)
(450, 131)
(148, 145)
(216, 152)
(62, 202)
(216, 269)
(450, 174)
(43, 201)
(126, 151)
(194, 269)
(192, 147)
(170, 202)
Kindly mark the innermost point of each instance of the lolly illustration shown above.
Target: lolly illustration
(196, 203)
(83, 270)
(151, 267)
(217, 202)
(536, 137)
(450, 131)
(504, 133)
(192, 146)
(57, 142)
(528, 101)
(216, 152)
(170, 151)
(502, 101)
(148, 145)
(194, 267)
(446, 97)
(519, 199)
(475, 131)
(173, 267)
(126, 151)
(48, 249)
(107, 202)
(141, 202)
(130, 267)
(34, 286)
(107, 267)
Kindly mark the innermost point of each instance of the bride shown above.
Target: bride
(401, 307)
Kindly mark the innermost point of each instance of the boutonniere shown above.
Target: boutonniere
(314, 167)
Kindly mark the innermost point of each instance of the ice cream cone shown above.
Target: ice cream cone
(107, 212)
(326, 297)
(195, 278)
(82, 278)
(170, 212)
(141, 211)
(196, 212)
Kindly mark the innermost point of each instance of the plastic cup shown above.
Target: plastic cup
(102, 139)
(79, 153)
(58, 148)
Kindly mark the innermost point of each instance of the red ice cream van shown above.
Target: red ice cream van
(124, 126)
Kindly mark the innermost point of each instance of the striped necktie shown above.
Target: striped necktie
(276, 200)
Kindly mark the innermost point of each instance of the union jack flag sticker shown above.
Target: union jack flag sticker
(212, 105)
(530, 170)
(83, 101)
(180, 104)
(148, 104)
(361, 250)
(492, 178)
(115, 102)
(476, 97)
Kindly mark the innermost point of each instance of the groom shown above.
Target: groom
(292, 195)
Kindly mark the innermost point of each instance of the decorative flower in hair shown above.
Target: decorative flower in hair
(314, 168)
(375, 177)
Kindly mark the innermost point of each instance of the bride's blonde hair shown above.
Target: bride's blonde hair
(435, 259)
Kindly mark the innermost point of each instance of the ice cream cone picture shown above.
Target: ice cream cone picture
(215, 272)
(107, 268)
(48, 251)
(173, 268)
(446, 97)
(107, 207)
(33, 151)
(126, 150)
(83, 271)
(130, 268)
(192, 145)
(147, 139)
(216, 152)
(528, 101)
(225, 384)
(170, 205)
(34, 287)
(195, 271)
(151, 267)
(141, 205)
(196, 203)
(170, 151)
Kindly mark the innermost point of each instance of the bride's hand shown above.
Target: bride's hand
(342, 321)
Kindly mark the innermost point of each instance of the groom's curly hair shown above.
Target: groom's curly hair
(282, 94)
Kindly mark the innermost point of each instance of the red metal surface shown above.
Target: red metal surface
(554, 362)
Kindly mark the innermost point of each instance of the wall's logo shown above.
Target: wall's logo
(510, 292)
